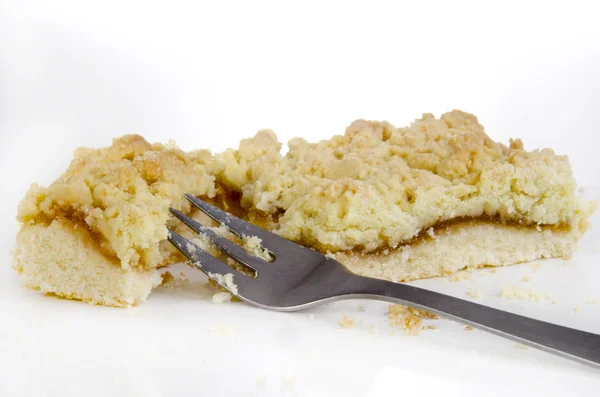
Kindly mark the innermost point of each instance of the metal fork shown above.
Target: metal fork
(299, 278)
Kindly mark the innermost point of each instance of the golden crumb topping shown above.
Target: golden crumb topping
(122, 193)
(377, 186)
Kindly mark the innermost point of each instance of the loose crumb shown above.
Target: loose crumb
(253, 245)
(225, 280)
(522, 293)
(330, 255)
(431, 233)
(173, 282)
(360, 308)
(221, 297)
(459, 276)
(591, 302)
(474, 293)
(521, 346)
(346, 322)
(408, 319)
(468, 328)
(372, 330)
(431, 327)
(526, 278)
(577, 309)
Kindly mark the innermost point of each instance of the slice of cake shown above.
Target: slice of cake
(396, 203)
(408, 203)
(98, 232)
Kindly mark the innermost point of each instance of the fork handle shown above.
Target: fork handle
(567, 342)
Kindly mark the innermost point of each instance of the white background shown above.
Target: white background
(206, 75)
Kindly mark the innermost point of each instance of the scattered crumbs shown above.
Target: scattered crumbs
(538, 228)
(173, 282)
(261, 383)
(360, 308)
(577, 309)
(372, 330)
(347, 322)
(521, 346)
(522, 293)
(535, 266)
(459, 276)
(408, 319)
(222, 329)
(526, 278)
(554, 302)
(580, 190)
(431, 233)
(468, 328)
(431, 327)
(474, 293)
(591, 302)
(492, 270)
(221, 297)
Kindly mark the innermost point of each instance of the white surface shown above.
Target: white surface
(74, 74)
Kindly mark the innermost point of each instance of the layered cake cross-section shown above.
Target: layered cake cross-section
(426, 200)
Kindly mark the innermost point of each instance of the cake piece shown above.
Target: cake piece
(99, 232)
(395, 203)
(408, 203)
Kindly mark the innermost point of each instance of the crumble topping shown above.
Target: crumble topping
(122, 194)
(377, 185)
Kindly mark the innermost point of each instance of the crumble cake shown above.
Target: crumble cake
(396, 203)
(98, 233)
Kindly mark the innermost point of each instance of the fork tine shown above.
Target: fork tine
(237, 226)
(231, 249)
(211, 266)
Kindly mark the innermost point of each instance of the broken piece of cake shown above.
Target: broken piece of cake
(99, 233)
(395, 203)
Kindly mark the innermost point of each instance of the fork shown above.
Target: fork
(299, 278)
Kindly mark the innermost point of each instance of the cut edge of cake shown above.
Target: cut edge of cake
(62, 259)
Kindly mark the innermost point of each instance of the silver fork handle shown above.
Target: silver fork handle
(567, 342)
